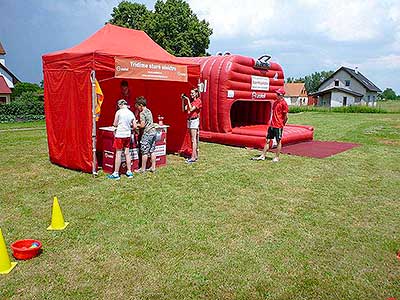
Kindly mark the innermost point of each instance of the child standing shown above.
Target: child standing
(124, 121)
(148, 140)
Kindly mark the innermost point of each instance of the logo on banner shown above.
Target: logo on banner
(255, 95)
(259, 83)
(143, 69)
(262, 63)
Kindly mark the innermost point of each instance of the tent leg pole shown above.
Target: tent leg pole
(94, 162)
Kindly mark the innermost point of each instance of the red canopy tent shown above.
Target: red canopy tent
(69, 92)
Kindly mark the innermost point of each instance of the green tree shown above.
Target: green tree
(26, 97)
(172, 25)
(313, 81)
(389, 94)
(22, 87)
(130, 15)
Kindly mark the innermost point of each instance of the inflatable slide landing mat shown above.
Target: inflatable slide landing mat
(254, 135)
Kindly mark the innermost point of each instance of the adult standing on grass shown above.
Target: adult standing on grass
(280, 111)
(193, 108)
(124, 121)
(148, 140)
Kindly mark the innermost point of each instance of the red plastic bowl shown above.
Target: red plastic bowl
(21, 249)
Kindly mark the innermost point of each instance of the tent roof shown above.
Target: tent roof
(114, 41)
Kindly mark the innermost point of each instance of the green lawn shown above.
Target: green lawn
(224, 228)
(19, 125)
(389, 105)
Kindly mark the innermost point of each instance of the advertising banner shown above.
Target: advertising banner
(143, 69)
(259, 83)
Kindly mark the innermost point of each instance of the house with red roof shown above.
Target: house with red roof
(7, 79)
(296, 94)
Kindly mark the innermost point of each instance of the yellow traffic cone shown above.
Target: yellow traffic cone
(5, 264)
(57, 219)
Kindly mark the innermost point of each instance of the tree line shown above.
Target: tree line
(312, 81)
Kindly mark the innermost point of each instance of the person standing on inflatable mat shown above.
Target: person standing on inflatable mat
(193, 108)
(280, 111)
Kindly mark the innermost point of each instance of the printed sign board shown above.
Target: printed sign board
(259, 83)
(148, 70)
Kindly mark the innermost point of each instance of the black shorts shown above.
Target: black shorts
(275, 133)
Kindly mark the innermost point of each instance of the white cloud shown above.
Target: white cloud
(344, 20)
(340, 20)
(386, 62)
(236, 18)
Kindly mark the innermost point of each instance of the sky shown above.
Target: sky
(303, 36)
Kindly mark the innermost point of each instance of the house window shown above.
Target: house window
(373, 98)
(369, 97)
(347, 82)
(3, 100)
(336, 82)
(344, 101)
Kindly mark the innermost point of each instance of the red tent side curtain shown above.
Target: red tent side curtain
(68, 109)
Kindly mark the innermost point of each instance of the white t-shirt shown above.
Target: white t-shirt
(125, 118)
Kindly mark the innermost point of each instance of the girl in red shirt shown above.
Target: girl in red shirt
(193, 108)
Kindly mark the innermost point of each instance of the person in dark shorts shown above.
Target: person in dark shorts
(148, 140)
(280, 111)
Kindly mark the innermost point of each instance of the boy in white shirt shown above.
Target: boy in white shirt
(124, 121)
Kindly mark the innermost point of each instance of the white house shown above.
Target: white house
(346, 87)
(7, 78)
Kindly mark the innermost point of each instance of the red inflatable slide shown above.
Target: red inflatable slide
(237, 101)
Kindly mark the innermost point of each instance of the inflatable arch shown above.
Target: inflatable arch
(237, 101)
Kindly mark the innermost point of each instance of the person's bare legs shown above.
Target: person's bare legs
(128, 160)
(193, 134)
(278, 149)
(264, 152)
(117, 164)
(153, 162)
(144, 162)
(197, 140)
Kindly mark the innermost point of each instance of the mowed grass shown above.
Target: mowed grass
(389, 105)
(224, 228)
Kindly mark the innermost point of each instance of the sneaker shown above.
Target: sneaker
(275, 160)
(129, 174)
(190, 161)
(258, 158)
(114, 176)
(151, 170)
(139, 171)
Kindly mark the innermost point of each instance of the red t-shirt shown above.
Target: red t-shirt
(195, 114)
(279, 112)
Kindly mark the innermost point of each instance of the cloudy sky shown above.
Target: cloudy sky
(304, 36)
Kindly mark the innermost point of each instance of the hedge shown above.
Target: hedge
(18, 111)
(343, 109)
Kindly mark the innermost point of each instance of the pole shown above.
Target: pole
(94, 102)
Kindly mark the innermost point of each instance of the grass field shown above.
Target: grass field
(389, 105)
(224, 228)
